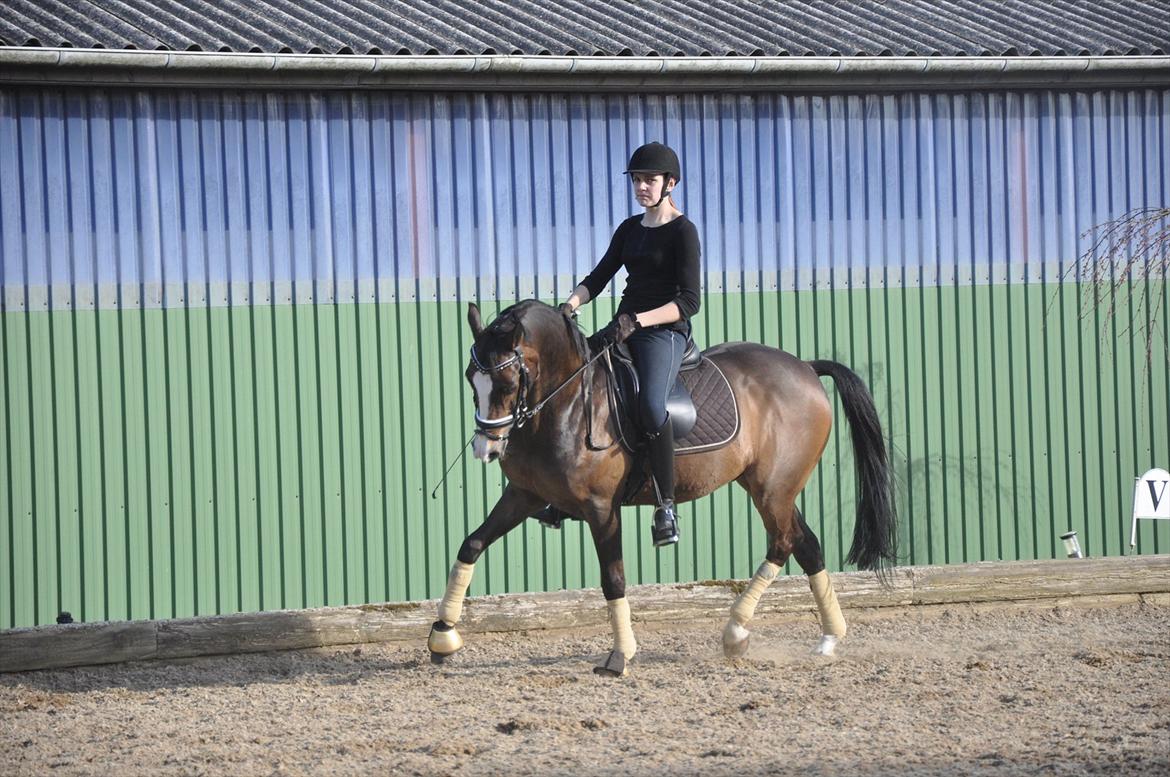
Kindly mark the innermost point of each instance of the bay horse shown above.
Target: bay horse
(532, 419)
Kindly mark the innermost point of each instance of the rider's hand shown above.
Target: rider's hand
(616, 331)
(602, 338)
(626, 326)
(567, 310)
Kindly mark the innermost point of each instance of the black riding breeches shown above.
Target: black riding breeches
(657, 353)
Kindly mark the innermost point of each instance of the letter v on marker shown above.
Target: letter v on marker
(1155, 497)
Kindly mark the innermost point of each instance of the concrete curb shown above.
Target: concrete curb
(46, 647)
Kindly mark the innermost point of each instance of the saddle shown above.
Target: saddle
(702, 408)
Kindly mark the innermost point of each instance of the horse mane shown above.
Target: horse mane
(532, 316)
(577, 337)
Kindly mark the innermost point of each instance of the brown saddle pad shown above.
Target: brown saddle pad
(717, 421)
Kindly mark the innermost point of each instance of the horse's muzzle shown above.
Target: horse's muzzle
(489, 448)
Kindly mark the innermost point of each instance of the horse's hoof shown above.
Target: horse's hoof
(826, 647)
(438, 659)
(735, 640)
(615, 665)
(444, 640)
(736, 649)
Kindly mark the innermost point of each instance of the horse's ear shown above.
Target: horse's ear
(474, 320)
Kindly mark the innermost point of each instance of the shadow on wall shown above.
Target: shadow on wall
(968, 508)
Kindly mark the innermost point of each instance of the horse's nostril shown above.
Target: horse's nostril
(493, 456)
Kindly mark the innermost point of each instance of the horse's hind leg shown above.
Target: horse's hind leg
(512, 508)
(789, 535)
(808, 554)
(735, 633)
(778, 514)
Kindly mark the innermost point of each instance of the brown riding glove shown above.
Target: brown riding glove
(616, 331)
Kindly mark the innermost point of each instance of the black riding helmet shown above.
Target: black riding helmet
(655, 158)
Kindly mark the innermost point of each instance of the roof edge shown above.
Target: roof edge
(106, 67)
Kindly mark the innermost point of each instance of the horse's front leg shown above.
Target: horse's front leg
(607, 537)
(514, 506)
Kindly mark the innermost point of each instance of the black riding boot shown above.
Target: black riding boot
(550, 517)
(661, 444)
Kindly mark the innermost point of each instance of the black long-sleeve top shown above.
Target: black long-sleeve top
(663, 266)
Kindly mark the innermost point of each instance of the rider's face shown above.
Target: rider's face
(648, 187)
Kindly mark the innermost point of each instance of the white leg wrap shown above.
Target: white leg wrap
(745, 606)
(451, 608)
(832, 621)
(619, 622)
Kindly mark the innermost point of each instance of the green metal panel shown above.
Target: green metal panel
(161, 463)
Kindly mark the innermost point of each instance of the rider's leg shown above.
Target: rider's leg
(661, 443)
(658, 353)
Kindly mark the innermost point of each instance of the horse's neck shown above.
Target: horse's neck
(586, 413)
(562, 408)
(580, 406)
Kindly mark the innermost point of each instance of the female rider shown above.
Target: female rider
(660, 251)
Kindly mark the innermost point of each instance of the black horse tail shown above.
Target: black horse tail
(875, 534)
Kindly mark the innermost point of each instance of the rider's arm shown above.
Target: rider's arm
(603, 273)
(689, 297)
(579, 297)
(665, 314)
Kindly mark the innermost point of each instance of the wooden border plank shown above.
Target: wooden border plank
(1105, 580)
(76, 644)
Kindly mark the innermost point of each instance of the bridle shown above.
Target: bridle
(521, 412)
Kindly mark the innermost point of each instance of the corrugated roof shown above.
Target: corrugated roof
(599, 27)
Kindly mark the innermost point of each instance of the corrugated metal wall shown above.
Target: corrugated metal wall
(233, 339)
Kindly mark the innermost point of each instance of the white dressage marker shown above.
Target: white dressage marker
(1151, 499)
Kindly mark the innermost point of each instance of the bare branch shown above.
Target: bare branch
(1132, 248)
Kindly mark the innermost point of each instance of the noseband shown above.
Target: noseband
(520, 414)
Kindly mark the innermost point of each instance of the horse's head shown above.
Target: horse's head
(506, 366)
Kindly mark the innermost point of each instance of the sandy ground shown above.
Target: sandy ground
(955, 690)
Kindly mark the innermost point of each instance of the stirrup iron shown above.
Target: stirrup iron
(665, 529)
